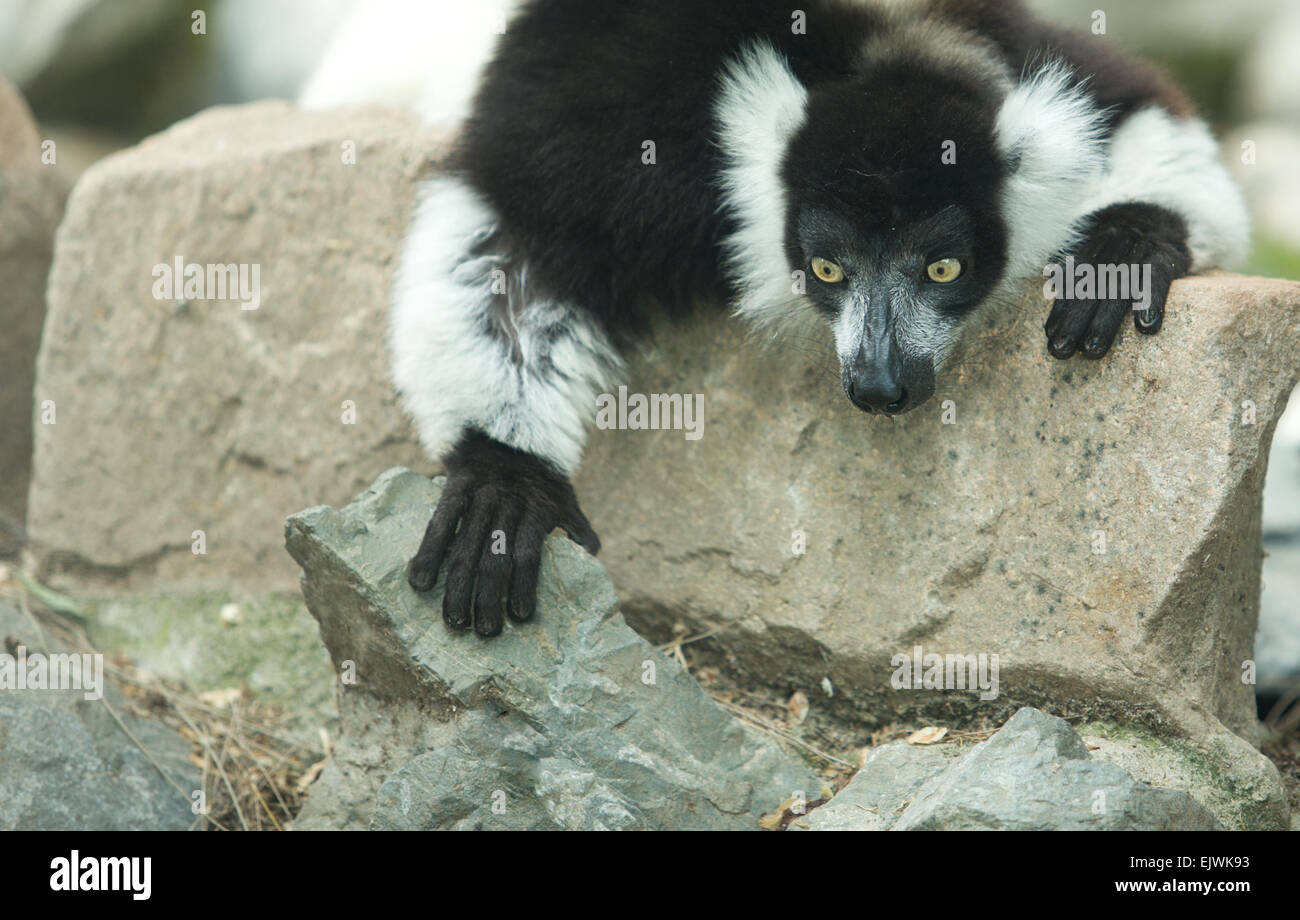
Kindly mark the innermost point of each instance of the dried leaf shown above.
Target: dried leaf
(775, 820)
(928, 735)
(309, 776)
(797, 707)
(221, 699)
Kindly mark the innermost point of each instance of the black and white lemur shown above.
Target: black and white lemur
(887, 167)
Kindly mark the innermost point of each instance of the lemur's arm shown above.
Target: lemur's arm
(1165, 198)
(500, 380)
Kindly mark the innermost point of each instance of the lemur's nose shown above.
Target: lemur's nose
(877, 394)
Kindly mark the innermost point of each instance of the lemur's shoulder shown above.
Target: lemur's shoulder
(1120, 82)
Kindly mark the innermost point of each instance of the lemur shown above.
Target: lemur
(885, 167)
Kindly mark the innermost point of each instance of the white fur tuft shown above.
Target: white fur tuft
(534, 388)
(760, 106)
(1054, 135)
(1157, 158)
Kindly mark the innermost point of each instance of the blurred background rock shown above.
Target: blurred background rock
(100, 75)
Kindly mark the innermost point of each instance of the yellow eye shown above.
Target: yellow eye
(827, 271)
(944, 271)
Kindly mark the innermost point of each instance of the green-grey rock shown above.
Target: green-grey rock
(568, 721)
(1035, 773)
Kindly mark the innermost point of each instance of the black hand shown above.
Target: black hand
(1124, 234)
(496, 510)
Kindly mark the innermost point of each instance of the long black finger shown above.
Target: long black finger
(529, 537)
(1066, 325)
(494, 575)
(580, 530)
(1105, 326)
(422, 571)
(462, 563)
(1163, 274)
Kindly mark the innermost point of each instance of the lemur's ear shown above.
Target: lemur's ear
(1052, 136)
(760, 106)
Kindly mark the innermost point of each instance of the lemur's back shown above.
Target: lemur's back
(590, 128)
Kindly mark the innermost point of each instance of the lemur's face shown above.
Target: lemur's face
(898, 236)
(895, 296)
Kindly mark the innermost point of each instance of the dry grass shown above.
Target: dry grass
(252, 776)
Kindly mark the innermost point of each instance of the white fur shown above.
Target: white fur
(760, 106)
(1050, 128)
(918, 330)
(850, 330)
(425, 55)
(1173, 162)
(533, 389)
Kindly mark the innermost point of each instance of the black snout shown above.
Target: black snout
(875, 380)
(877, 394)
(889, 385)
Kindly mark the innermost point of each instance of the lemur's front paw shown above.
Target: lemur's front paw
(505, 503)
(1131, 236)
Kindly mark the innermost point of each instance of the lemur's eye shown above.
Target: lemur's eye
(827, 271)
(944, 270)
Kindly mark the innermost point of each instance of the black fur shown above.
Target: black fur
(555, 140)
(885, 193)
(577, 86)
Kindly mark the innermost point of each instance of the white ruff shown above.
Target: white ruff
(759, 108)
(1053, 134)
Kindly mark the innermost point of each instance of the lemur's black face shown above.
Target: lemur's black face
(898, 232)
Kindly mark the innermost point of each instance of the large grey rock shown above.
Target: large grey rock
(66, 763)
(31, 203)
(1035, 774)
(1096, 525)
(177, 416)
(569, 721)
